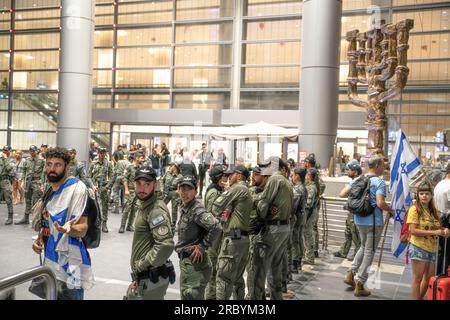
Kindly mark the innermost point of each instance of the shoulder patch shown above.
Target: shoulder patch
(158, 220)
(162, 230)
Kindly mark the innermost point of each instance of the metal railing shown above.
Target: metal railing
(331, 227)
(30, 274)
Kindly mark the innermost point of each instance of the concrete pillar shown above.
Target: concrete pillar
(236, 71)
(75, 76)
(319, 84)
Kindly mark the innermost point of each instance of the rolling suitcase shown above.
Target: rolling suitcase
(439, 286)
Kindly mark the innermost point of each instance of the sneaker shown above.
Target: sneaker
(360, 291)
(349, 279)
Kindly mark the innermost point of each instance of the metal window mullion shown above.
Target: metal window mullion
(193, 44)
(172, 58)
(11, 63)
(270, 41)
(114, 62)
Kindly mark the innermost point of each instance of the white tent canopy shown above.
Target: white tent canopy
(258, 129)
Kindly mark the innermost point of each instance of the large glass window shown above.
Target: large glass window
(23, 140)
(101, 101)
(198, 9)
(145, 12)
(31, 41)
(42, 102)
(204, 32)
(35, 80)
(39, 19)
(273, 7)
(202, 77)
(142, 101)
(144, 36)
(143, 57)
(202, 101)
(269, 100)
(32, 4)
(36, 60)
(143, 78)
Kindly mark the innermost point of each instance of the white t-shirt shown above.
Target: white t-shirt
(442, 196)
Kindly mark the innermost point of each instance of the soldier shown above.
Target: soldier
(44, 149)
(33, 171)
(312, 214)
(170, 184)
(100, 173)
(274, 206)
(214, 190)
(205, 158)
(197, 231)
(234, 207)
(299, 206)
(258, 183)
(130, 194)
(152, 242)
(6, 174)
(310, 162)
(76, 169)
(116, 182)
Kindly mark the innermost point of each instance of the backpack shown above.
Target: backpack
(358, 201)
(92, 238)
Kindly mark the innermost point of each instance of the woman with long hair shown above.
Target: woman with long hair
(18, 191)
(425, 227)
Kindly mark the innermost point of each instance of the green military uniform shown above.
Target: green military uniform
(351, 235)
(76, 169)
(212, 193)
(274, 206)
(33, 170)
(195, 227)
(170, 183)
(131, 201)
(316, 228)
(312, 216)
(115, 183)
(254, 191)
(235, 205)
(100, 174)
(152, 246)
(299, 207)
(6, 172)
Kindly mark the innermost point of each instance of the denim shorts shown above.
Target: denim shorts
(416, 253)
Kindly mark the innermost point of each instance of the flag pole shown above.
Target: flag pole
(386, 224)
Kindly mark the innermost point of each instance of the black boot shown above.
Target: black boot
(299, 264)
(10, 219)
(122, 229)
(104, 228)
(316, 254)
(294, 268)
(130, 228)
(24, 220)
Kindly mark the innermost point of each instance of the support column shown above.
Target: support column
(319, 84)
(236, 73)
(75, 76)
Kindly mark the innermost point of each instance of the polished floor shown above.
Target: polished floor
(112, 270)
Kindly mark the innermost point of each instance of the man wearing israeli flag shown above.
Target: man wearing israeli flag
(64, 224)
(404, 165)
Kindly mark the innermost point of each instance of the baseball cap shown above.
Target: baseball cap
(71, 150)
(188, 181)
(301, 170)
(216, 171)
(311, 160)
(102, 150)
(256, 169)
(239, 169)
(353, 165)
(146, 173)
(291, 162)
(33, 148)
(7, 148)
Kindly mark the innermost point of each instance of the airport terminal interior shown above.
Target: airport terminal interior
(227, 73)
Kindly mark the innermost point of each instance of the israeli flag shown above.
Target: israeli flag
(404, 165)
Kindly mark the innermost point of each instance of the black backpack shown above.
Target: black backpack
(92, 238)
(358, 201)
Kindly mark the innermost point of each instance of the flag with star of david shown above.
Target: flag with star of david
(404, 165)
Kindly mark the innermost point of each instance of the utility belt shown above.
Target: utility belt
(277, 222)
(164, 271)
(236, 234)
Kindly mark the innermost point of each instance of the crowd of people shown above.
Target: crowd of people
(262, 220)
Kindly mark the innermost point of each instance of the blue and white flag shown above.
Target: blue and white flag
(404, 165)
(65, 255)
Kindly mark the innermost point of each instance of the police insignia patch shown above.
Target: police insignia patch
(158, 220)
(163, 230)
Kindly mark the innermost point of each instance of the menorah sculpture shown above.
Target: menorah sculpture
(374, 57)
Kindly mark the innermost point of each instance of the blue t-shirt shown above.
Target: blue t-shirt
(377, 187)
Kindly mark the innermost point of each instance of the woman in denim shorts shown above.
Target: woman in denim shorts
(425, 227)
